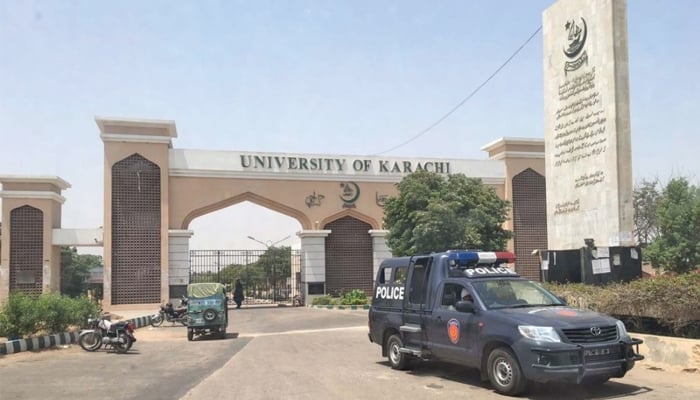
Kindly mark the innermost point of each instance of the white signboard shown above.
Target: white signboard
(601, 266)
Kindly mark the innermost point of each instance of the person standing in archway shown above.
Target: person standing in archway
(238, 293)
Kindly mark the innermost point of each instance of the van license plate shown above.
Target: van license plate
(596, 352)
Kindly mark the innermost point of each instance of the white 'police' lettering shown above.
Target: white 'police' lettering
(389, 292)
(488, 270)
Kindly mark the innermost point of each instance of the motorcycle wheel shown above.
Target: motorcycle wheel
(131, 342)
(90, 341)
(157, 320)
(183, 320)
(123, 343)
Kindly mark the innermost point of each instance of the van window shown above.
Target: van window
(400, 275)
(419, 281)
(385, 275)
(452, 293)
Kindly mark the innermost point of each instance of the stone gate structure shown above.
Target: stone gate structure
(153, 191)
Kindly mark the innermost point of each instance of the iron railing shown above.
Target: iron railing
(268, 276)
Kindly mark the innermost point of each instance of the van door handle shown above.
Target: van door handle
(439, 318)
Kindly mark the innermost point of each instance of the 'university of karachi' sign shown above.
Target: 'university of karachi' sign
(587, 129)
(321, 164)
(258, 165)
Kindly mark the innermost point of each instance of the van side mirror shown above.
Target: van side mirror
(465, 306)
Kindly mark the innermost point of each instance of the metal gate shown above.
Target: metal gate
(269, 276)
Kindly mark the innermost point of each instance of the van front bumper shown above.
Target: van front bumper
(573, 363)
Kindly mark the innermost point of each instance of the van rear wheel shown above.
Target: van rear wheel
(397, 359)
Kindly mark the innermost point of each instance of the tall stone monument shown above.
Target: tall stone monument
(587, 124)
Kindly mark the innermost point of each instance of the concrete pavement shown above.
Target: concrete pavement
(669, 353)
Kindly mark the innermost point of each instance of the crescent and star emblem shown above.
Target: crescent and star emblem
(576, 38)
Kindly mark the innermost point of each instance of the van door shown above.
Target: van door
(415, 302)
(451, 333)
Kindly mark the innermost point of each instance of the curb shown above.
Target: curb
(44, 342)
(334, 307)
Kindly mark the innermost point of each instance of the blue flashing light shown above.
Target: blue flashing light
(463, 258)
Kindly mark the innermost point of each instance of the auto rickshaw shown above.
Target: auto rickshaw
(207, 309)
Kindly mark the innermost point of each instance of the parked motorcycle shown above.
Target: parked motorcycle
(169, 313)
(297, 300)
(103, 332)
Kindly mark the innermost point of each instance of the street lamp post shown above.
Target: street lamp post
(269, 243)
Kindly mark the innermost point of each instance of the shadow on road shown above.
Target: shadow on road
(215, 336)
(536, 391)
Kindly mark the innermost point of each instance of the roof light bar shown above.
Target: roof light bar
(469, 258)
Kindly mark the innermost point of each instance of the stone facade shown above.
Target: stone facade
(587, 124)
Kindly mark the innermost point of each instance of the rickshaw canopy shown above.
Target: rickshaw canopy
(202, 290)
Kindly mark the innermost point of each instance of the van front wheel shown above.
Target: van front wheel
(504, 372)
(397, 359)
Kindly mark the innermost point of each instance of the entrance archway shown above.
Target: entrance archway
(232, 243)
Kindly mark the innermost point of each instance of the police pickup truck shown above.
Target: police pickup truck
(469, 308)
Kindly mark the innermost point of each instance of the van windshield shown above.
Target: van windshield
(512, 293)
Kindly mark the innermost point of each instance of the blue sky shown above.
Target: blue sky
(328, 77)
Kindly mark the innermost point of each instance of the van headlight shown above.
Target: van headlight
(621, 329)
(539, 333)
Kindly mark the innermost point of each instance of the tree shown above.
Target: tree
(75, 270)
(646, 199)
(276, 263)
(677, 248)
(434, 213)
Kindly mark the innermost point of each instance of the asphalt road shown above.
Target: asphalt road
(281, 353)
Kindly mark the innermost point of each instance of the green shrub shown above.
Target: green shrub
(354, 297)
(50, 313)
(323, 301)
(577, 295)
(672, 301)
(81, 309)
(20, 316)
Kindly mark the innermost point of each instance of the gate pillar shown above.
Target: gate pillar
(380, 249)
(31, 209)
(179, 262)
(136, 210)
(313, 263)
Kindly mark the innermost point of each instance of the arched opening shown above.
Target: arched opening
(249, 242)
(529, 221)
(348, 256)
(26, 250)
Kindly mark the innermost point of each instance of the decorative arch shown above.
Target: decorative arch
(351, 212)
(529, 221)
(349, 262)
(136, 231)
(253, 198)
(134, 160)
(26, 250)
